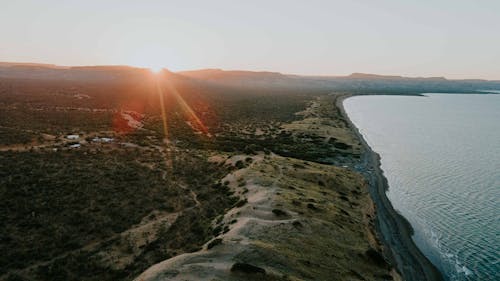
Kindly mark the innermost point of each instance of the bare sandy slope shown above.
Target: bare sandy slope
(301, 221)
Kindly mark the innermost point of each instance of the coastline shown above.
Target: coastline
(290, 211)
(394, 230)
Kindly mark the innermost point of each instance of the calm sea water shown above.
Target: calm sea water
(441, 157)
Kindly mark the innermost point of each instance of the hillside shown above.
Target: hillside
(109, 172)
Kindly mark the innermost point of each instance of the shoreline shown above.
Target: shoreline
(394, 230)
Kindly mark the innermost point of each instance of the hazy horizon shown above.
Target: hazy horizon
(334, 38)
(48, 64)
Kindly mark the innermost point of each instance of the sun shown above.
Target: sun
(152, 65)
(156, 69)
(155, 57)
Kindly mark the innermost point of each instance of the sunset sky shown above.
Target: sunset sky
(456, 39)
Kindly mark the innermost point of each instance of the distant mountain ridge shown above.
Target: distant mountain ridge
(67, 73)
(28, 64)
(357, 75)
(216, 72)
(355, 82)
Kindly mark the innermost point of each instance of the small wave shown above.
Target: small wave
(442, 169)
(449, 260)
(462, 269)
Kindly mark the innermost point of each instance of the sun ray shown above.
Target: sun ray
(166, 152)
(160, 82)
(162, 108)
(187, 109)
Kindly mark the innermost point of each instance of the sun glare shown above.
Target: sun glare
(155, 69)
(150, 55)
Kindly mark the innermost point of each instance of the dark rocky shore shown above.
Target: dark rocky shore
(393, 229)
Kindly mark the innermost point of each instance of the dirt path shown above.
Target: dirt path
(256, 214)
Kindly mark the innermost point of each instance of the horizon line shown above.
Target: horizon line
(62, 66)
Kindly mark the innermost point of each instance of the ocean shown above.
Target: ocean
(441, 156)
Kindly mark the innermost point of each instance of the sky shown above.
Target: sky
(452, 38)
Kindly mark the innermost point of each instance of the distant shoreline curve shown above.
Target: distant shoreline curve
(394, 230)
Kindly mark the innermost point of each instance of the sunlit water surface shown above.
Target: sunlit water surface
(441, 156)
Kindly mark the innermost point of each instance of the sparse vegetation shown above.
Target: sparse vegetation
(107, 209)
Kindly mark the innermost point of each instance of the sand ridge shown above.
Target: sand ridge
(282, 230)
